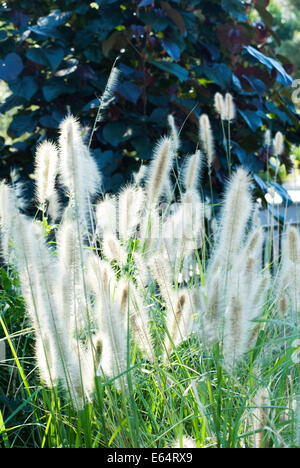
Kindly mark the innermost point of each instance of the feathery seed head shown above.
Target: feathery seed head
(293, 244)
(220, 105)
(8, 215)
(235, 215)
(78, 170)
(174, 134)
(100, 276)
(8, 203)
(141, 270)
(268, 138)
(278, 144)
(229, 107)
(68, 245)
(283, 304)
(106, 216)
(140, 175)
(46, 165)
(159, 170)
(123, 294)
(161, 271)
(179, 320)
(206, 138)
(254, 245)
(234, 332)
(108, 92)
(113, 250)
(131, 204)
(192, 170)
(70, 144)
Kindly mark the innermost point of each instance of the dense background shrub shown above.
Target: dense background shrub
(174, 56)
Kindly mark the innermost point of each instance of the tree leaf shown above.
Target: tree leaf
(54, 56)
(10, 67)
(106, 161)
(170, 67)
(262, 185)
(171, 48)
(145, 3)
(143, 147)
(175, 16)
(271, 64)
(37, 55)
(129, 91)
(46, 25)
(283, 193)
(219, 73)
(54, 88)
(25, 87)
(115, 132)
(251, 118)
(22, 124)
(249, 161)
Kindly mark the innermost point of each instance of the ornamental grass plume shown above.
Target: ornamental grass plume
(57, 356)
(235, 290)
(8, 215)
(235, 215)
(78, 170)
(192, 171)
(178, 320)
(46, 167)
(108, 92)
(220, 105)
(225, 107)
(131, 203)
(159, 170)
(174, 134)
(106, 216)
(268, 138)
(287, 284)
(206, 138)
(122, 277)
(278, 144)
(229, 107)
(106, 98)
(113, 360)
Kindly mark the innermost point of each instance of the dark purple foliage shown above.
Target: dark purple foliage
(174, 57)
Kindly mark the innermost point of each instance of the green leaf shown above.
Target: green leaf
(252, 119)
(26, 87)
(219, 73)
(143, 147)
(117, 132)
(173, 68)
(36, 54)
(55, 88)
(22, 124)
(93, 54)
(54, 55)
(283, 77)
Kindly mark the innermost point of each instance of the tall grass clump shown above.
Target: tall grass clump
(151, 329)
